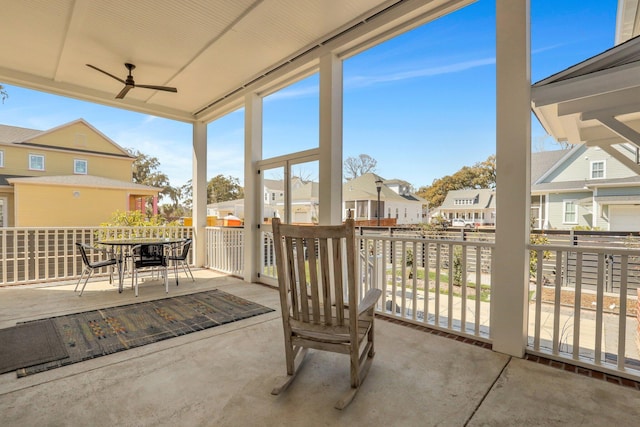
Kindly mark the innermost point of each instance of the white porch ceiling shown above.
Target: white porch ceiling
(212, 51)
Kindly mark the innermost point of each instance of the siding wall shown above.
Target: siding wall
(579, 166)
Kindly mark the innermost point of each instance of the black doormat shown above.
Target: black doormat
(96, 333)
(30, 344)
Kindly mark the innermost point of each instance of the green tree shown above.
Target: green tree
(3, 94)
(186, 194)
(223, 189)
(480, 175)
(146, 171)
(356, 166)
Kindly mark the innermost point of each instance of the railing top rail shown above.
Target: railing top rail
(93, 227)
(586, 249)
(420, 239)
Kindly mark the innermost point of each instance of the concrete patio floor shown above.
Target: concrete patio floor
(223, 376)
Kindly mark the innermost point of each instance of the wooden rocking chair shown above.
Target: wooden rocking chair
(319, 299)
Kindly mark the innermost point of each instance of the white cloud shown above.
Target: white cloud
(289, 93)
(362, 81)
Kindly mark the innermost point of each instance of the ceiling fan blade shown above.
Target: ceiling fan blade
(104, 72)
(164, 88)
(124, 91)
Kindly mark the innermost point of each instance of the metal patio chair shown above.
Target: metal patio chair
(178, 256)
(148, 256)
(89, 266)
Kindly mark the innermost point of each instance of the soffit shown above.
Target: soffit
(212, 51)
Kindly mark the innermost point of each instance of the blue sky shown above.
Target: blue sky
(422, 104)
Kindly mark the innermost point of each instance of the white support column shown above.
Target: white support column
(253, 197)
(509, 292)
(199, 181)
(330, 196)
(594, 208)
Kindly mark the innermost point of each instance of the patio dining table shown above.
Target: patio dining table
(125, 245)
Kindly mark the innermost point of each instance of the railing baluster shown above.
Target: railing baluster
(622, 313)
(577, 306)
(403, 278)
(427, 269)
(450, 290)
(538, 312)
(599, 308)
(414, 283)
(556, 305)
(463, 299)
(476, 329)
(436, 309)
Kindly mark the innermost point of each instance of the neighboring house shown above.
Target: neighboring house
(477, 206)
(584, 186)
(360, 196)
(304, 203)
(71, 175)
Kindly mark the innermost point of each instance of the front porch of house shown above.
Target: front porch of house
(219, 377)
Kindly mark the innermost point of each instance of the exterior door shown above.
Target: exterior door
(290, 191)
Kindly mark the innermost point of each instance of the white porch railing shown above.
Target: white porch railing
(443, 284)
(584, 307)
(225, 249)
(35, 255)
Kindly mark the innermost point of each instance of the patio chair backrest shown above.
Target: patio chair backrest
(185, 251)
(82, 248)
(149, 255)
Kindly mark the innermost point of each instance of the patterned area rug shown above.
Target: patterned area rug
(30, 344)
(96, 333)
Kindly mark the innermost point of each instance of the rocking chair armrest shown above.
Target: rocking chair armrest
(369, 300)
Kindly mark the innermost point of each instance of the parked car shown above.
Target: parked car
(462, 223)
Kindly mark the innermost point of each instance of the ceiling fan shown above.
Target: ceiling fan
(129, 83)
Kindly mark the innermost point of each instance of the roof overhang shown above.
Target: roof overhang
(627, 20)
(213, 51)
(596, 101)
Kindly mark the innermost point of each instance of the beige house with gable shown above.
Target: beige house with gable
(71, 175)
(397, 202)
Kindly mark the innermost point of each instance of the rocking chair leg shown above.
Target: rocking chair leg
(357, 377)
(284, 382)
(346, 399)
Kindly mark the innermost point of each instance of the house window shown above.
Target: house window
(36, 162)
(570, 212)
(1, 159)
(405, 212)
(597, 169)
(80, 167)
(273, 196)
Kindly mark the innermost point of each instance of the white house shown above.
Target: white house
(304, 203)
(475, 205)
